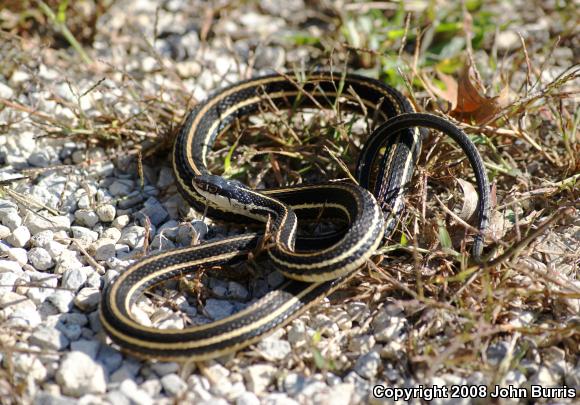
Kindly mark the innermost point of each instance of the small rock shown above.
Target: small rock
(10, 266)
(136, 395)
(154, 211)
(4, 232)
(508, 41)
(19, 255)
(368, 365)
(163, 368)
(106, 212)
(218, 309)
(121, 187)
(74, 278)
(362, 344)
(79, 375)
(55, 249)
(133, 236)
(87, 299)
(40, 259)
(259, 376)
(88, 347)
(121, 221)
(12, 220)
(35, 223)
(103, 249)
(48, 338)
(62, 300)
(41, 239)
(275, 349)
(173, 384)
(86, 217)
(19, 237)
(109, 357)
(84, 234)
(247, 398)
(111, 233)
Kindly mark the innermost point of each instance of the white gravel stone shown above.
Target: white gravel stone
(133, 236)
(19, 255)
(79, 375)
(103, 249)
(134, 393)
(29, 365)
(12, 220)
(4, 232)
(87, 299)
(41, 239)
(86, 217)
(247, 398)
(297, 332)
(19, 237)
(74, 278)
(173, 384)
(274, 348)
(40, 259)
(6, 91)
(121, 221)
(10, 266)
(84, 234)
(111, 233)
(106, 212)
(62, 300)
(259, 376)
(49, 338)
(35, 223)
(7, 280)
(55, 249)
(68, 259)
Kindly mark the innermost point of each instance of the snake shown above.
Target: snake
(371, 210)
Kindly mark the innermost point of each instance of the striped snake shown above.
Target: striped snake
(311, 273)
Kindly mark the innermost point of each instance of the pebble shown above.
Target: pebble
(10, 266)
(218, 309)
(42, 239)
(247, 398)
(40, 259)
(173, 384)
(154, 211)
(19, 237)
(4, 232)
(78, 375)
(88, 347)
(74, 278)
(35, 223)
(86, 217)
(20, 255)
(134, 393)
(12, 220)
(133, 236)
(62, 300)
(121, 187)
(106, 212)
(48, 338)
(103, 249)
(121, 221)
(273, 348)
(259, 376)
(368, 366)
(87, 299)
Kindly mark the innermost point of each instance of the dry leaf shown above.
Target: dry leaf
(470, 199)
(472, 103)
(449, 93)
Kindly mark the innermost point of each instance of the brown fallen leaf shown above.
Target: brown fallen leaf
(472, 103)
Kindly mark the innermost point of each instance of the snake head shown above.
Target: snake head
(212, 186)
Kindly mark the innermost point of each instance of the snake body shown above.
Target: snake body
(312, 274)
